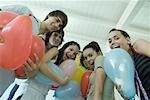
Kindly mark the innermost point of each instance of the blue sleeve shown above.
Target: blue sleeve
(19, 9)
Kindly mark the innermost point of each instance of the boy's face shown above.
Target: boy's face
(117, 40)
(53, 23)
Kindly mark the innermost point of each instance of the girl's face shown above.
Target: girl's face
(55, 39)
(117, 40)
(89, 56)
(53, 23)
(71, 52)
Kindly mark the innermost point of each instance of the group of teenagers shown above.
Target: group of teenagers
(52, 33)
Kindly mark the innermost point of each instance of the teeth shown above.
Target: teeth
(117, 47)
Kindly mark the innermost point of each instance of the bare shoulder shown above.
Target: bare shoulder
(140, 42)
(143, 46)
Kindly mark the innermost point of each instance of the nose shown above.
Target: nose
(72, 53)
(57, 37)
(88, 59)
(112, 42)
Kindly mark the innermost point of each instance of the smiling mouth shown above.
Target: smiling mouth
(68, 56)
(116, 47)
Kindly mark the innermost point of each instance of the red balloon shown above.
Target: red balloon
(17, 36)
(20, 71)
(6, 17)
(85, 83)
(37, 47)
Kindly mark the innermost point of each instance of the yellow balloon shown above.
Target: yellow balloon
(78, 74)
(80, 70)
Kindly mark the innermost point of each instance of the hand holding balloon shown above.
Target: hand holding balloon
(54, 69)
(31, 66)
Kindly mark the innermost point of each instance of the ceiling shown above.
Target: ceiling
(92, 19)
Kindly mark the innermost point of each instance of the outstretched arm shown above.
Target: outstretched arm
(47, 71)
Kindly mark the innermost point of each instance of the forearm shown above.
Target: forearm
(48, 72)
(99, 84)
(50, 54)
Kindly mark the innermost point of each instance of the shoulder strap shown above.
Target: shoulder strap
(141, 86)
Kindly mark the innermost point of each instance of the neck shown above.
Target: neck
(49, 46)
(130, 51)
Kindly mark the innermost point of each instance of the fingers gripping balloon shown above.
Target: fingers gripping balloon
(38, 48)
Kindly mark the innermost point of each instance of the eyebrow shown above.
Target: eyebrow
(113, 37)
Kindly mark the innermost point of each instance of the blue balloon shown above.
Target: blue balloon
(71, 91)
(119, 67)
(45, 80)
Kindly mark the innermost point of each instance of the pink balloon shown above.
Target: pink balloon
(69, 67)
(15, 49)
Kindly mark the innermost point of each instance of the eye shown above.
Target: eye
(60, 25)
(84, 58)
(71, 49)
(90, 55)
(59, 21)
(116, 38)
(55, 35)
(109, 41)
(60, 37)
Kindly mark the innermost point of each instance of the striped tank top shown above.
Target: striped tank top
(142, 66)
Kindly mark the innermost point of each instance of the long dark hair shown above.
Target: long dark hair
(59, 59)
